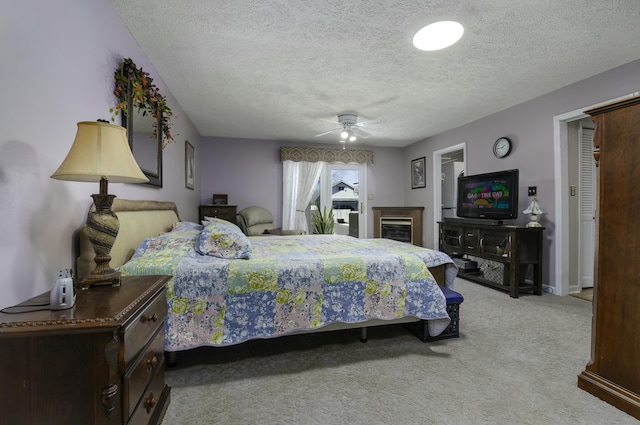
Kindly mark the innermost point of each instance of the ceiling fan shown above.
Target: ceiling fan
(349, 128)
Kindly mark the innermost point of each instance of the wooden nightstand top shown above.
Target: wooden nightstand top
(95, 307)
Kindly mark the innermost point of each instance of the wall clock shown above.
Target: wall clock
(502, 147)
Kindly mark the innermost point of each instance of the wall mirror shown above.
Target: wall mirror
(145, 139)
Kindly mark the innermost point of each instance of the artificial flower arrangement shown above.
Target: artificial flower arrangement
(146, 97)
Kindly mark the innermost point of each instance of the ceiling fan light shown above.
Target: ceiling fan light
(352, 138)
(438, 35)
(344, 134)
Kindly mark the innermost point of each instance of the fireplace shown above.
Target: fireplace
(399, 223)
(397, 228)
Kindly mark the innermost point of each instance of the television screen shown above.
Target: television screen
(489, 196)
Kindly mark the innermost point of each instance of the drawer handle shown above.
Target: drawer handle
(151, 363)
(152, 318)
(149, 402)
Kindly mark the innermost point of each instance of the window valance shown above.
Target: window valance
(347, 156)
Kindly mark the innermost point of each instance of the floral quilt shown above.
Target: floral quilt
(290, 283)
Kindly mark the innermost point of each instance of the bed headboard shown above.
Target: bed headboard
(138, 220)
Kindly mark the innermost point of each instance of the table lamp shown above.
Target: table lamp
(101, 153)
(536, 211)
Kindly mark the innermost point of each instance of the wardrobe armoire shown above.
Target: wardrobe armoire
(613, 374)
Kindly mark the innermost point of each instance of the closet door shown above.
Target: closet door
(587, 209)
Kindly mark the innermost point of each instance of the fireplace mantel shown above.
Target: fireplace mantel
(414, 214)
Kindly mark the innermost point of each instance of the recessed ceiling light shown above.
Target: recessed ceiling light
(438, 35)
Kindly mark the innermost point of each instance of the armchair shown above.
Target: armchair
(256, 221)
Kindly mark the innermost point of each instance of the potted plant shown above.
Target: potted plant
(322, 222)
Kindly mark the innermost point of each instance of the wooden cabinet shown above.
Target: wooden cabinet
(224, 212)
(100, 362)
(613, 373)
(513, 254)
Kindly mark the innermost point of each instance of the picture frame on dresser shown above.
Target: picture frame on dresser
(219, 199)
(189, 165)
(418, 179)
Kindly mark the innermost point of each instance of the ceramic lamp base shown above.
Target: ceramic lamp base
(102, 228)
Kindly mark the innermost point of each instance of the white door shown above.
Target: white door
(587, 225)
(343, 187)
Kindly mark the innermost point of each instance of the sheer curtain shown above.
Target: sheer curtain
(298, 181)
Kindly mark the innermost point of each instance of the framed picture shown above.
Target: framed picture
(417, 173)
(219, 199)
(189, 165)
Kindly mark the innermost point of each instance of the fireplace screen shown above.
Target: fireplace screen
(397, 228)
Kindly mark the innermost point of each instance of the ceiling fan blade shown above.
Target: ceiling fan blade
(360, 132)
(367, 123)
(332, 121)
(327, 132)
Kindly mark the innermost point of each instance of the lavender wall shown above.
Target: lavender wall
(58, 64)
(530, 127)
(250, 173)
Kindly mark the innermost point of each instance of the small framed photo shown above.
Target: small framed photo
(189, 165)
(417, 173)
(219, 199)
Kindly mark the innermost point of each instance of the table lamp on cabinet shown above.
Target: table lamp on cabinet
(101, 153)
(536, 212)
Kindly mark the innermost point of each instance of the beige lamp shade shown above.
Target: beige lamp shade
(100, 150)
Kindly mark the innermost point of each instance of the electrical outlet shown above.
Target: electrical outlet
(533, 190)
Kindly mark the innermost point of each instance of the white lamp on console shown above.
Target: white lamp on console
(101, 153)
(536, 211)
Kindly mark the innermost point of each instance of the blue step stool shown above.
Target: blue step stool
(454, 299)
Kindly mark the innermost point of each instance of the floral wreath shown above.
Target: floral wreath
(146, 97)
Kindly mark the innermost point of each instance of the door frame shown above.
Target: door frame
(437, 184)
(561, 179)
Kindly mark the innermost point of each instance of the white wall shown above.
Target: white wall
(530, 127)
(250, 173)
(58, 60)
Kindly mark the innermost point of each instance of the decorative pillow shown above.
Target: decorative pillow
(221, 238)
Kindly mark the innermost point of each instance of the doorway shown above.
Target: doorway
(564, 219)
(448, 164)
(342, 187)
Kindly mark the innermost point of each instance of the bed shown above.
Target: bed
(288, 285)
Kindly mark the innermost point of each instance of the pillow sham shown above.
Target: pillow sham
(223, 239)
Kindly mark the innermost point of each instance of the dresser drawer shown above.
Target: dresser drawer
(143, 326)
(471, 240)
(142, 371)
(150, 401)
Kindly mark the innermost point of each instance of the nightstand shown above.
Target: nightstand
(224, 212)
(99, 362)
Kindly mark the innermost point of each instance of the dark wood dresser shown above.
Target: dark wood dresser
(223, 212)
(100, 362)
(515, 253)
(613, 373)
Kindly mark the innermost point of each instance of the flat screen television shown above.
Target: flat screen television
(492, 196)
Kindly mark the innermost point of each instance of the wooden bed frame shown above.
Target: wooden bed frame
(143, 219)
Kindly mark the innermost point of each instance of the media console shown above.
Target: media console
(508, 258)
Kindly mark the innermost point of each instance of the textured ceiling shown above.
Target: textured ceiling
(275, 69)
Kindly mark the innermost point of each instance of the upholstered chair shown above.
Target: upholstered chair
(256, 221)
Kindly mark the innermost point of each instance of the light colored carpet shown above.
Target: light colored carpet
(516, 362)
